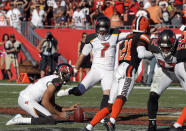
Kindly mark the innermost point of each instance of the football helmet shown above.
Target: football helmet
(166, 42)
(102, 27)
(141, 25)
(64, 71)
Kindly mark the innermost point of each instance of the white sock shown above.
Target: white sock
(25, 120)
(112, 120)
(89, 127)
(176, 125)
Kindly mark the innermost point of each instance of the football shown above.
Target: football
(79, 115)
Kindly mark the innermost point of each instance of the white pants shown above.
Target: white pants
(180, 71)
(123, 83)
(162, 80)
(30, 106)
(97, 74)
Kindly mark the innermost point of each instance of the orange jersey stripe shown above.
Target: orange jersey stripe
(145, 38)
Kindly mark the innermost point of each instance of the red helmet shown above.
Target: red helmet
(65, 71)
(141, 24)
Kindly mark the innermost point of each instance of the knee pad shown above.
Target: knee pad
(78, 91)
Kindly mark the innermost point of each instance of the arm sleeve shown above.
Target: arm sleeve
(87, 49)
(143, 53)
(122, 36)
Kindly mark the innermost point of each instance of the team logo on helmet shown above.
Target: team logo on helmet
(141, 24)
(65, 71)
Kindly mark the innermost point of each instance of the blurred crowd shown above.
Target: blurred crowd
(83, 13)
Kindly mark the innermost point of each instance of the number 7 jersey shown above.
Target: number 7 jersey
(103, 51)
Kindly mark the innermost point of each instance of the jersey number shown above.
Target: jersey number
(106, 46)
(126, 51)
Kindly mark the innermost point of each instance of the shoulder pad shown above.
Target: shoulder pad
(115, 31)
(145, 38)
(57, 82)
(129, 36)
(90, 37)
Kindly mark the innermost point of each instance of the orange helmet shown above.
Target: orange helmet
(141, 24)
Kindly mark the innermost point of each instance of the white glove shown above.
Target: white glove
(75, 71)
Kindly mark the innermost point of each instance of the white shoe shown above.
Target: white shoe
(15, 120)
(63, 92)
(102, 121)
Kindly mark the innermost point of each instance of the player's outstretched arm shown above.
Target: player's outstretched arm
(122, 36)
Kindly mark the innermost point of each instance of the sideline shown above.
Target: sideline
(96, 86)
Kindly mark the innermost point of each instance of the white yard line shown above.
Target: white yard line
(136, 87)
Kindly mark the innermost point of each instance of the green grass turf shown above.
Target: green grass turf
(92, 98)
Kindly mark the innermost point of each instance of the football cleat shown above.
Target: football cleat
(152, 125)
(15, 120)
(175, 129)
(63, 92)
(85, 129)
(110, 126)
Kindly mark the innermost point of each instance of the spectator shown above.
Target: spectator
(38, 16)
(116, 20)
(87, 61)
(85, 8)
(13, 16)
(118, 5)
(3, 21)
(184, 14)
(142, 11)
(70, 12)
(128, 16)
(49, 14)
(48, 51)
(165, 15)
(5, 38)
(98, 3)
(27, 11)
(21, 6)
(146, 4)
(78, 18)
(176, 16)
(12, 48)
(155, 13)
(95, 15)
(109, 10)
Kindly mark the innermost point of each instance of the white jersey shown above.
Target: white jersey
(103, 51)
(79, 18)
(14, 15)
(3, 21)
(165, 64)
(36, 91)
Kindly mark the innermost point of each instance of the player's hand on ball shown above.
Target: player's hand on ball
(74, 107)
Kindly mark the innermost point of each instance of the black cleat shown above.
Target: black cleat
(85, 129)
(152, 125)
(110, 126)
(172, 128)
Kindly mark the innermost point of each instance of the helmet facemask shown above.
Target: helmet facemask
(103, 33)
(166, 51)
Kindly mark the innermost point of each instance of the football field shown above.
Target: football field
(133, 116)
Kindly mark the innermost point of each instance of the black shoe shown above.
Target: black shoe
(152, 125)
(110, 126)
(172, 128)
(85, 129)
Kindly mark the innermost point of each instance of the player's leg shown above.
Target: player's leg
(106, 84)
(160, 82)
(90, 79)
(180, 71)
(106, 110)
(126, 79)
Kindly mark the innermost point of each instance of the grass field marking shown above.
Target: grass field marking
(135, 87)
